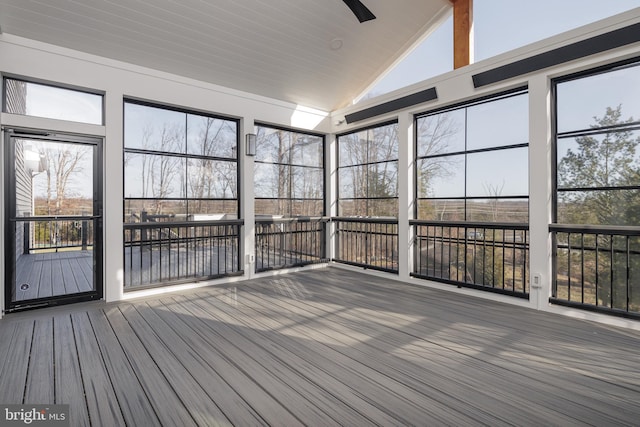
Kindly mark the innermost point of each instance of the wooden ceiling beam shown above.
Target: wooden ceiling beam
(462, 33)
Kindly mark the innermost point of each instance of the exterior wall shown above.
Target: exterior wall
(25, 58)
(16, 96)
(24, 202)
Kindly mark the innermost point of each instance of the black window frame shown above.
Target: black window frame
(184, 155)
(609, 287)
(629, 63)
(290, 199)
(519, 91)
(54, 85)
(339, 167)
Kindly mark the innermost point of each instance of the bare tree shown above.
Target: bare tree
(435, 134)
(157, 171)
(61, 165)
(494, 191)
(211, 178)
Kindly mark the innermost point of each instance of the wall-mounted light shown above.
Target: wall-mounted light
(250, 146)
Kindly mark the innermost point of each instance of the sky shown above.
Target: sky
(499, 26)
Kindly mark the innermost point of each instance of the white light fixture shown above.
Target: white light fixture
(250, 146)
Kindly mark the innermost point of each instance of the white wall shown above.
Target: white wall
(34, 60)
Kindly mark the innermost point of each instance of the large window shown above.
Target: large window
(289, 173)
(472, 185)
(179, 164)
(368, 172)
(597, 197)
(598, 148)
(367, 226)
(181, 195)
(289, 193)
(472, 162)
(40, 100)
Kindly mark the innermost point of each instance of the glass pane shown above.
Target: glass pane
(51, 102)
(307, 150)
(353, 149)
(52, 258)
(383, 143)
(498, 123)
(272, 145)
(307, 183)
(383, 180)
(441, 210)
(604, 207)
(211, 210)
(269, 207)
(152, 128)
(382, 208)
(386, 208)
(352, 182)
(611, 159)
(212, 137)
(53, 178)
(288, 208)
(582, 103)
(498, 210)
(307, 207)
(271, 181)
(154, 176)
(498, 173)
(212, 179)
(441, 176)
(154, 210)
(441, 133)
(349, 207)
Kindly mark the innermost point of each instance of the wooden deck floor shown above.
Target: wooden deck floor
(53, 273)
(322, 347)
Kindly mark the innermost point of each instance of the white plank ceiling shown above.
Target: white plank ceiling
(275, 48)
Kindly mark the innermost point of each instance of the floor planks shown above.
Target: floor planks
(53, 274)
(321, 347)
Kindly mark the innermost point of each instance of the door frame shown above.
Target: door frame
(9, 213)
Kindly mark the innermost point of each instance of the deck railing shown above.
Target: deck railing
(487, 256)
(597, 268)
(290, 242)
(53, 234)
(157, 253)
(367, 242)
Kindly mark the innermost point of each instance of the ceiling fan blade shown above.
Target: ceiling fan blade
(360, 10)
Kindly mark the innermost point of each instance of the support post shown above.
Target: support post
(406, 208)
(462, 33)
(247, 202)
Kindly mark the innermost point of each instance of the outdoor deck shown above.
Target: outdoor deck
(321, 347)
(53, 273)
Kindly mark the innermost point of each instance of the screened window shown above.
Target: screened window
(598, 148)
(368, 172)
(178, 165)
(288, 172)
(596, 230)
(472, 161)
(39, 100)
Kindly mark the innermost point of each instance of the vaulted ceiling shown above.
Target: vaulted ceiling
(310, 52)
